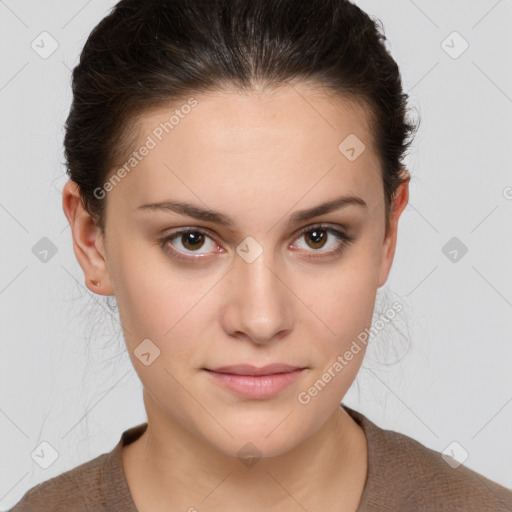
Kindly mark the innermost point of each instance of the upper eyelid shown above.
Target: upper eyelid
(299, 232)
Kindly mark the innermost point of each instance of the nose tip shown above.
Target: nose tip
(258, 304)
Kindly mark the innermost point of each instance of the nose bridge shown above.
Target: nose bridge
(261, 300)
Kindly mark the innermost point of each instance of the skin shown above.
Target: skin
(257, 158)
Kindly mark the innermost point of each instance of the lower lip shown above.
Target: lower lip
(256, 386)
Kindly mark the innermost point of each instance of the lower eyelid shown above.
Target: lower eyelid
(342, 238)
(168, 239)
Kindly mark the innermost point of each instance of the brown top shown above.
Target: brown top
(403, 476)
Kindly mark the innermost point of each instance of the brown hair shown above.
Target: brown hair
(143, 55)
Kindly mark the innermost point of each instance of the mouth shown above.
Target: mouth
(256, 383)
(248, 369)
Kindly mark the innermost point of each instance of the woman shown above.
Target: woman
(236, 181)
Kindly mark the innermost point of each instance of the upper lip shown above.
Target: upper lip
(247, 369)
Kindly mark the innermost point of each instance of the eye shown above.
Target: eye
(190, 240)
(318, 237)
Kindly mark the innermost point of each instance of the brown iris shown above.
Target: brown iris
(197, 240)
(318, 236)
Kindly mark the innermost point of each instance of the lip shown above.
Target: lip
(249, 369)
(256, 383)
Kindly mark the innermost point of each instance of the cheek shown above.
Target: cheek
(160, 307)
(344, 304)
(343, 298)
(166, 304)
(147, 290)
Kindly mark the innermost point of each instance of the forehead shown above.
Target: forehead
(288, 140)
(236, 121)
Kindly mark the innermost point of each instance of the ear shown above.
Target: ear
(88, 242)
(400, 201)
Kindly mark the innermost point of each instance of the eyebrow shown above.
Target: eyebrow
(207, 215)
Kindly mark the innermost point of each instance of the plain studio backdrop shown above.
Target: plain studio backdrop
(440, 372)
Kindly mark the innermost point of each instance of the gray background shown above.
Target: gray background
(65, 377)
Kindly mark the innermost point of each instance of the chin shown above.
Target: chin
(259, 433)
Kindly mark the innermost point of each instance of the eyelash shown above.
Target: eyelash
(342, 237)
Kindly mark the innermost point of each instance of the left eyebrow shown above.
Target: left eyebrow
(207, 215)
(329, 206)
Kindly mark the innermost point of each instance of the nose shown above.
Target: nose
(259, 305)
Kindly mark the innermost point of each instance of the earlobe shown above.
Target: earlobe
(87, 236)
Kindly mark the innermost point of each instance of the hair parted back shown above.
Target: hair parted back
(145, 55)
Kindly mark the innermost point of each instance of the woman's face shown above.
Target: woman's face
(256, 291)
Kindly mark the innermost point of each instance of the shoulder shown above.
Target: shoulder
(77, 490)
(98, 485)
(437, 482)
(412, 477)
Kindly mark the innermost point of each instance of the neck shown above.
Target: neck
(168, 465)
